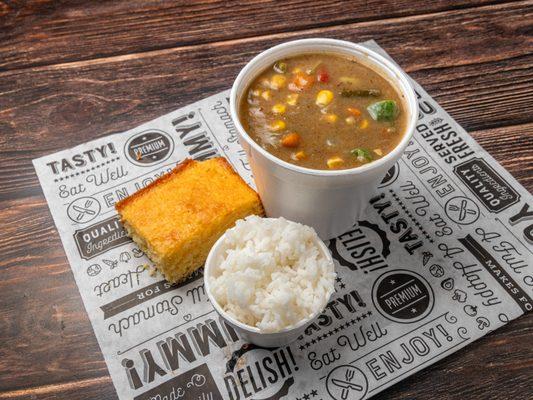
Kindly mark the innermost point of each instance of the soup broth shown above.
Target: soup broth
(323, 111)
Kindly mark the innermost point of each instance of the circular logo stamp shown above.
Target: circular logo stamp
(347, 382)
(462, 210)
(149, 147)
(402, 296)
(83, 210)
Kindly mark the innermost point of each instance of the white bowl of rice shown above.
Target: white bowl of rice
(269, 278)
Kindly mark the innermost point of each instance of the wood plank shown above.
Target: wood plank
(49, 108)
(41, 32)
(41, 304)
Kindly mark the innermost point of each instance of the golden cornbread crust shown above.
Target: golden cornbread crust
(177, 218)
(177, 169)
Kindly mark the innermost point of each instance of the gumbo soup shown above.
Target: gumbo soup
(323, 111)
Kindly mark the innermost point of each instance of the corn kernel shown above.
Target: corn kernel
(378, 152)
(299, 155)
(292, 99)
(290, 140)
(279, 108)
(278, 82)
(267, 95)
(324, 97)
(330, 118)
(363, 124)
(350, 120)
(296, 70)
(335, 162)
(277, 125)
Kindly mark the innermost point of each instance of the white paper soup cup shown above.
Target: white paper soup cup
(328, 200)
(249, 333)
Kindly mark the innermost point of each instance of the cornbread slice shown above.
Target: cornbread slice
(176, 219)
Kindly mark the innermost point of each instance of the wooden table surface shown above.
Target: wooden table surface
(75, 70)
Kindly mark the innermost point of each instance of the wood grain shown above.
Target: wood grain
(76, 70)
(44, 32)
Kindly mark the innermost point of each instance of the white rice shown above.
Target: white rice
(271, 274)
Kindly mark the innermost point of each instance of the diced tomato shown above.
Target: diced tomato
(322, 76)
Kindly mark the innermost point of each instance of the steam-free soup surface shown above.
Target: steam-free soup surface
(323, 111)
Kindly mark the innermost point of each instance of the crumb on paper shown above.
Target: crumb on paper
(152, 271)
(241, 362)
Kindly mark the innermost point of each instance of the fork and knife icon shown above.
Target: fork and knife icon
(462, 209)
(84, 210)
(347, 385)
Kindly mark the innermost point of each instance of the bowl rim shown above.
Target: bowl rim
(403, 85)
(209, 265)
